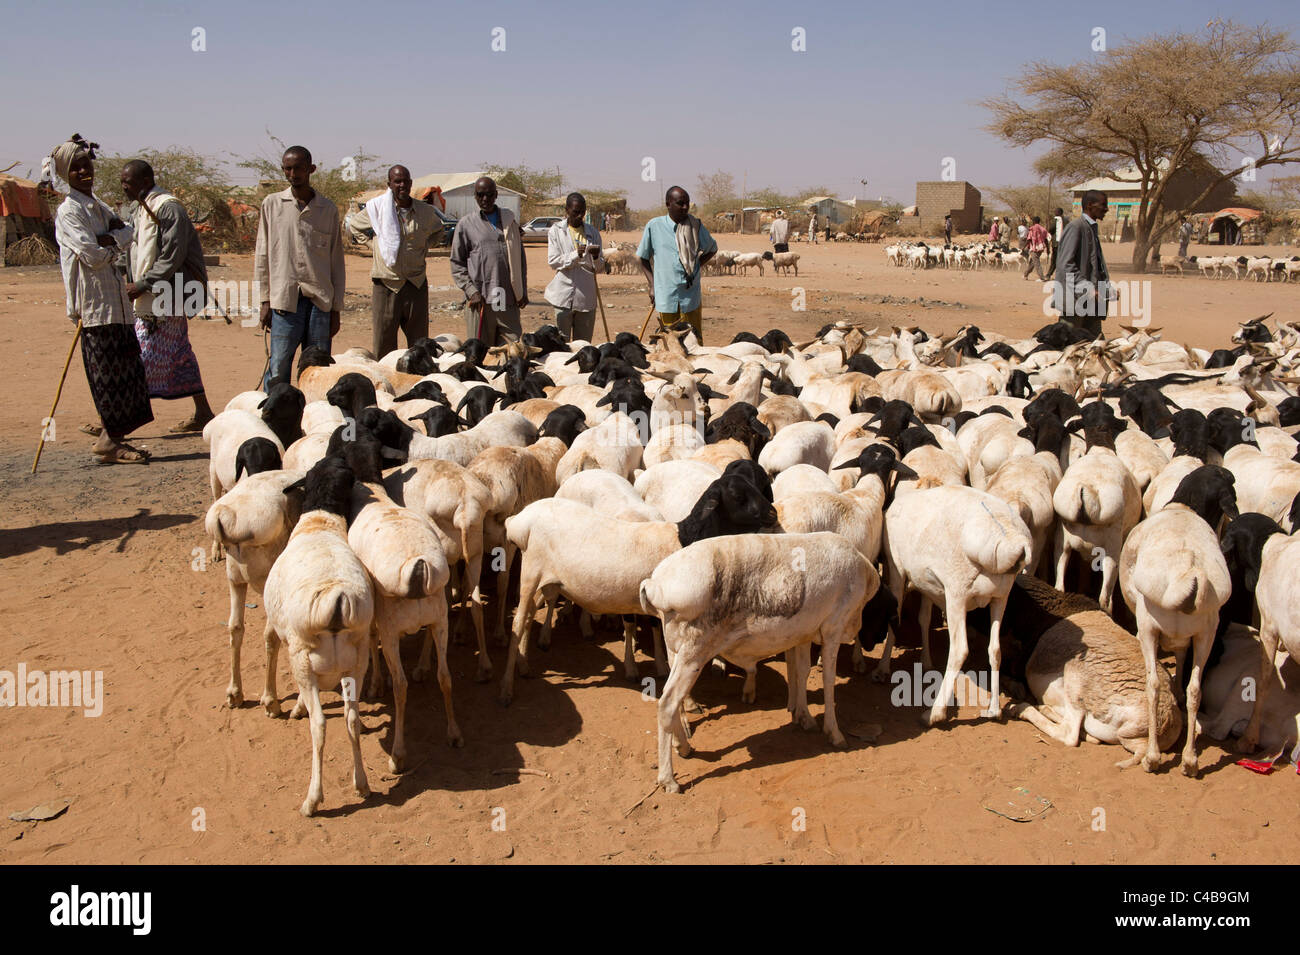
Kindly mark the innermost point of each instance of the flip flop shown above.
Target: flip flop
(93, 430)
(123, 455)
(188, 426)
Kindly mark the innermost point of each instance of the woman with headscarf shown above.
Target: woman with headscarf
(90, 237)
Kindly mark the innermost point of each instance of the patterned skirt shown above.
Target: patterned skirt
(170, 366)
(115, 373)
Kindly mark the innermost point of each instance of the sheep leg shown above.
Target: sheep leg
(473, 569)
(630, 671)
(798, 661)
(684, 673)
(1201, 653)
(503, 587)
(996, 609)
(390, 642)
(218, 551)
(1062, 558)
(1148, 638)
(1268, 641)
(523, 620)
(661, 658)
(923, 618)
(859, 658)
(1180, 673)
(897, 586)
(1057, 731)
(270, 691)
(375, 687)
(1109, 566)
(830, 656)
(310, 693)
(353, 723)
(584, 626)
(238, 594)
(544, 638)
(438, 632)
(957, 650)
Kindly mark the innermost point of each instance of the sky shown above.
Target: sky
(882, 91)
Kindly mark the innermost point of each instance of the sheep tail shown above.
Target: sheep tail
(331, 610)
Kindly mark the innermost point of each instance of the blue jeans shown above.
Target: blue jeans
(306, 326)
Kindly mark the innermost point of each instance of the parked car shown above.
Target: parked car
(535, 229)
(448, 226)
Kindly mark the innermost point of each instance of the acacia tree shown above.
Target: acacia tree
(1164, 105)
(715, 188)
(1030, 200)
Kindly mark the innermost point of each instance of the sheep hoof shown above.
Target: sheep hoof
(1129, 763)
(671, 786)
(1247, 746)
(860, 665)
(364, 789)
(483, 674)
(1149, 763)
(880, 675)
(234, 698)
(994, 713)
(1189, 767)
(838, 740)
(308, 808)
(271, 706)
(299, 711)
(505, 698)
(419, 673)
(523, 669)
(934, 717)
(748, 696)
(394, 764)
(456, 742)
(544, 643)
(632, 674)
(806, 722)
(682, 748)
(690, 706)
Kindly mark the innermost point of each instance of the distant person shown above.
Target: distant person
(673, 251)
(993, 231)
(779, 233)
(1184, 235)
(1082, 290)
(298, 266)
(488, 264)
(1035, 246)
(812, 226)
(573, 250)
(401, 231)
(90, 238)
(1022, 230)
(1058, 228)
(166, 269)
(947, 230)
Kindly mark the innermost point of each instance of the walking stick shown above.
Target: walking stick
(58, 392)
(646, 322)
(600, 302)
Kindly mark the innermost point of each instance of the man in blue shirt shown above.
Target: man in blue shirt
(673, 251)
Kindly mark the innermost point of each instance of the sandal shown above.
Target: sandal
(189, 425)
(93, 430)
(124, 454)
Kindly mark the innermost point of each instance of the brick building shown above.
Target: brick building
(934, 200)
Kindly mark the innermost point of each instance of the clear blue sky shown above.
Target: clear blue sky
(883, 92)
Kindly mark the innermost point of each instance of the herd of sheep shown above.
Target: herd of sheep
(979, 255)
(760, 498)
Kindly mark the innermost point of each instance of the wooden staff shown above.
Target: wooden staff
(62, 378)
(600, 302)
(647, 321)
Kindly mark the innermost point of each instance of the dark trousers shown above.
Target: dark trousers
(407, 308)
(781, 247)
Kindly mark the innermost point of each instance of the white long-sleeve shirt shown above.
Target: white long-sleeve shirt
(574, 285)
(95, 291)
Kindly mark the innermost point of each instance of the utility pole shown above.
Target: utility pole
(744, 186)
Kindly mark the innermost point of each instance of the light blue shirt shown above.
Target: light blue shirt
(659, 242)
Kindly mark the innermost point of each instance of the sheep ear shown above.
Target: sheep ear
(759, 428)
(573, 359)
(708, 392)
(1228, 504)
(1074, 426)
(904, 472)
(606, 399)
(852, 463)
(735, 375)
(263, 402)
(297, 486)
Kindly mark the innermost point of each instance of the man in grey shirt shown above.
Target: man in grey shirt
(487, 263)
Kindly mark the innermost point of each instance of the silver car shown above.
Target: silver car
(535, 229)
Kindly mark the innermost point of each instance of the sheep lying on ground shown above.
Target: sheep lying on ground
(1228, 709)
(1085, 671)
(745, 598)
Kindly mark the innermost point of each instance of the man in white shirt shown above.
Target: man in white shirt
(573, 250)
(779, 233)
(812, 226)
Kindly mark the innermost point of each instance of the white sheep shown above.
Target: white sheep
(745, 598)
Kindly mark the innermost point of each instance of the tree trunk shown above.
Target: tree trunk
(1141, 249)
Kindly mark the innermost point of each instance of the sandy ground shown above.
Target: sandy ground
(99, 573)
